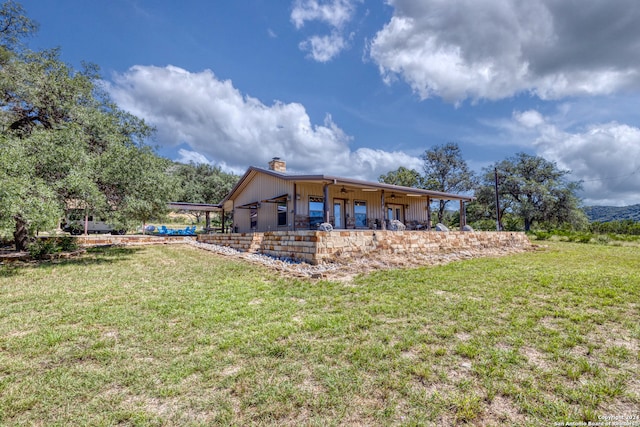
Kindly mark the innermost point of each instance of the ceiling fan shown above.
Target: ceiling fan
(345, 191)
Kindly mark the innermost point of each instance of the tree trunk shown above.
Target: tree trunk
(527, 224)
(21, 234)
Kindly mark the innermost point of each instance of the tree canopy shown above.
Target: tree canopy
(15, 25)
(63, 141)
(445, 170)
(202, 183)
(403, 176)
(532, 188)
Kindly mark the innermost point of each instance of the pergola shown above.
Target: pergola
(202, 207)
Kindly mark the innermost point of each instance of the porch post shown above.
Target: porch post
(222, 225)
(384, 212)
(295, 204)
(327, 216)
(207, 220)
(463, 214)
(428, 213)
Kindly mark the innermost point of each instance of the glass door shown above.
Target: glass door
(395, 212)
(338, 214)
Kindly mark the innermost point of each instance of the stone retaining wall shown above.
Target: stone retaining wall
(108, 239)
(317, 247)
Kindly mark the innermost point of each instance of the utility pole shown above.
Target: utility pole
(498, 228)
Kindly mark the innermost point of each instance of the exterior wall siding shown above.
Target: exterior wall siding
(317, 247)
(263, 187)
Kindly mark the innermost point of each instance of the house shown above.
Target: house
(273, 200)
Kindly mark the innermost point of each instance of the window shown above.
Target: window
(282, 213)
(316, 211)
(360, 213)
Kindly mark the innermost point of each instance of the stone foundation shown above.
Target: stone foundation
(317, 247)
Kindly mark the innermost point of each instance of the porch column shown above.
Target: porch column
(428, 213)
(207, 220)
(384, 212)
(223, 218)
(327, 215)
(295, 204)
(463, 214)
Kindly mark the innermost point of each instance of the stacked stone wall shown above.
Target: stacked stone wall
(318, 247)
(108, 239)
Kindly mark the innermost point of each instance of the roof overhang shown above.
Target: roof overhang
(194, 206)
(282, 198)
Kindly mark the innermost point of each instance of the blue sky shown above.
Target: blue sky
(358, 88)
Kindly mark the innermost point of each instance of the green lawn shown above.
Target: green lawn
(171, 335)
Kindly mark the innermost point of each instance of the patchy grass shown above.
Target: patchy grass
(171, 335)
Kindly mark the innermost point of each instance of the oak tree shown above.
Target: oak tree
(532, 188)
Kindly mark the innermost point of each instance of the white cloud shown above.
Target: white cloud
(605, 156)
(334, 13)
(323, 48)
(233, 130)
(494, 49)
(529, 119)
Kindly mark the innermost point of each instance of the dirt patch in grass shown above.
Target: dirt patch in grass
(535, 358)
(502, 411)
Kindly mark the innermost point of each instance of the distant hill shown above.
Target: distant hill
(612, 213)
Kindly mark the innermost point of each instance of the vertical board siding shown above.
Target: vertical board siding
(263, 187)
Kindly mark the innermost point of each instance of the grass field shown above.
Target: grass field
(170, 335)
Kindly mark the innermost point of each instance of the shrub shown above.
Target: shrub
(67, 244)
(542, 235)
(42, 247)
(583, 237)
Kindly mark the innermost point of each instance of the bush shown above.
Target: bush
(67, 244)
(583, 237)
(542, 235)
(40, 248)
(484, 225)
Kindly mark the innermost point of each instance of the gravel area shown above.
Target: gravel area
(348, 268)
(286, 265)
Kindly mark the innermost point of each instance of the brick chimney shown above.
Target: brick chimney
(278, 165)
